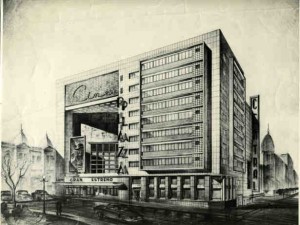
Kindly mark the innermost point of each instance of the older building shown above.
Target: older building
(40, 162)
(166, 126)
(278, 171)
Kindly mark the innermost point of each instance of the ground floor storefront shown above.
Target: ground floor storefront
(184, 189)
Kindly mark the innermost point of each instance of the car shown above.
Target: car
(118, 212)
(6, 196)
(23, 196)
(39, 195)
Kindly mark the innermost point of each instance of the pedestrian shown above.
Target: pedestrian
(58, 208)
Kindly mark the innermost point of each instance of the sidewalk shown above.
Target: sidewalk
(74, 217)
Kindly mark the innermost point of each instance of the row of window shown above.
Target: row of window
(238, 114)
(168, 161)
(237, 87)
(134, 151)
(134, 100)
(134, 113)
(238, 101)
(133, 75)
(134, 138)
(238, 126)
(133, 126)
(167, 75)
(135, 87)
(238, 164)
(238, 139)
(169, 103)
(168, 59)
(168, 146)
(238, 74)
(168, 132)
(168, 89)
(169, 117)
(133, 163)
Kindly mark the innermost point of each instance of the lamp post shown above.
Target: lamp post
(44, 199)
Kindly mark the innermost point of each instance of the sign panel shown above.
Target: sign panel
(77, 154)
(91, 179)
(96, 88)
(254, 103)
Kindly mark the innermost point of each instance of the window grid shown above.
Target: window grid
(134, 113)
(168, 89)
(134, 138)
(133, 163)
(167, 75)
(133, 126)
(134, 151)
(133, 75)
(168, 146)
(168, 59)
(167, 104)
(134, 100)
(168, 132)
(168, 161)
(168, 117)
(135, 87)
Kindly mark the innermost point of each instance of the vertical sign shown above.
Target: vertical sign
(77, 154)
(254, 103)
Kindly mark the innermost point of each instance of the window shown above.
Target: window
(121, 90)
(133, 138)
(134, 100)
(133, 126)
(133, 75)
(121, 78)
(197, 66)
(168, 59)
(197, 50)
(134, 164)
(133, 151)
(133, 113)
(254, 173)
(133, 87)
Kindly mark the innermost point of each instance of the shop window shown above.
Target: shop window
(151, 192)
(162, 193)
(173, 193)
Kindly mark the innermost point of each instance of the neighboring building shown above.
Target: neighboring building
(167, 126)
(41, 162)
(278, 171)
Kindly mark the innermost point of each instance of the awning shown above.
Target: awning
(120, 186)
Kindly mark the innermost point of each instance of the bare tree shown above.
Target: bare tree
(13, 172)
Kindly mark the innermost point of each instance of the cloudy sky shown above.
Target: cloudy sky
(51, 39)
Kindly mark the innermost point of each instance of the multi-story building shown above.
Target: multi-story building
(37, 161)
(168, 125)
(278, 171)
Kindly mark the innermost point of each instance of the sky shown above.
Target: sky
(44, 41)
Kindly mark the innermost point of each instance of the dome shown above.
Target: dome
(267, 143)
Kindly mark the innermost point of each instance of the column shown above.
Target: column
(167, 187)
(207, 185)
(193, 188)
(155, 187)
(179, 187)
(144, 187)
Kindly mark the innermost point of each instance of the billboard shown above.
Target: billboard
(77, 154)
(96, 88)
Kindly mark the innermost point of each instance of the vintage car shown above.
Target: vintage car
(23, 196)
(39, 195)
(6, 196)
(118, 212)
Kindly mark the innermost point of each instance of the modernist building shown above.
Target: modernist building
(168, 125)
(278, 170)
(40, 162)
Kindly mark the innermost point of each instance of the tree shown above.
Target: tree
(13, 172)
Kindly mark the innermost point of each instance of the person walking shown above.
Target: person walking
(58, 208)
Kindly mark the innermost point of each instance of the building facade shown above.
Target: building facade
(278, 170)
(40, 162)
(167, 126)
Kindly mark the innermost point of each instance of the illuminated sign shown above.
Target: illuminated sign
(96, 88)
(254, 103)
(90, 179)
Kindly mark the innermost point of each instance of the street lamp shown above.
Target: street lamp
(44, 199)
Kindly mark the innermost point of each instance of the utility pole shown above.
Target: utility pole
(44, 194)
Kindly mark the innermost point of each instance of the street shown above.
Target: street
(266, 210)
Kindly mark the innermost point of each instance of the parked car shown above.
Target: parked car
(6, 196)
(39, 195)
(23, 196)
(118, 212)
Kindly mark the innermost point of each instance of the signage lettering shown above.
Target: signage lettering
(254, 103)
(82, 95)
(120, 154)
